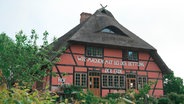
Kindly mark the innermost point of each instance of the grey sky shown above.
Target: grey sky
(159, 22)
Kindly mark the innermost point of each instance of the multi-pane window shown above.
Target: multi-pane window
(96, 82)
(77, 79)
(81, 79)
(131, 76)
(113, 81)
(122, 81)
(104, 77)
(131, 81)
(94, 51)
(94, 73)
(110, 81)
(131, 55)
(142, 80)
(116, 81)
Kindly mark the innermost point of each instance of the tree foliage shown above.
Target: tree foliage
(24, 96)
(23, 61)
(173, 84)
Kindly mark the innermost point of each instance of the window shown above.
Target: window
(113, 81)
(94, 51)
(116, 81)
(96, 82)
(81, 79)
(110, 81)
(131, 55)
(113, 30)
(130, 81)
(106, 30)
(105, 80)
(122, 81)
(94, 73)
(142, 80)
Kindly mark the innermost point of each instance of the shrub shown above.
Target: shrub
(130, 95)
(163, 100)
(176, 98)
(69, 89)
(152, 100)
(25, 96)
(75, 94)
(90, 98)
(113, 95)
(113, 98)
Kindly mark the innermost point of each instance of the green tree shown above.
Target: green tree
(23, 61)
(173, 84)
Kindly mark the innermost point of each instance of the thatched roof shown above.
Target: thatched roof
(92, 31)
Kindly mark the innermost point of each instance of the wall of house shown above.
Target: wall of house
(74, 60)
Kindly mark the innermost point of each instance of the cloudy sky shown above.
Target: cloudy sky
(159, 22)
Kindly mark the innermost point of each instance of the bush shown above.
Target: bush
(152, 100)
(25, 96)
(113, 95)
(112, 98)
(163, 100)
(88, 98)
(69, 89)
(176, 98)
(75, 94)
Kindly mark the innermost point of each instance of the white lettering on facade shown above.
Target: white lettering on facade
(118, 71)
(81, 58)
(116, 62)
(123, 63)
(141, 64)
(110, 62)
(108, 70)
(95, 60)
(132, 63)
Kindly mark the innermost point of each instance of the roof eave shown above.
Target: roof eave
(164, 68)
(110, 45)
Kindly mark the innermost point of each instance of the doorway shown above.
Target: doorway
(94, 82)
(130, 81)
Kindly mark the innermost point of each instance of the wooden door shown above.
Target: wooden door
(130, 83)
(94, 84)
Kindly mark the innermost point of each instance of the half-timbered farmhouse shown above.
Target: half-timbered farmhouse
(103, 56)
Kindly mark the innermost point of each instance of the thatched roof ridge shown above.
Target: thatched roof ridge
(90, 32)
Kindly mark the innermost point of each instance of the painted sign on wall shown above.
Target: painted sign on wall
(111, 62)
(115, 71)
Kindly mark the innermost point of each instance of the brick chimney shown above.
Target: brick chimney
(84, 16)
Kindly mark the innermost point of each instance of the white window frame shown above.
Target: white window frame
(120, 81)
(82, 81)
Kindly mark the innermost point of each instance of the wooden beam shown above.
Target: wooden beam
(58, 71)
(147, 63)
(73, 56)
(155, 84)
